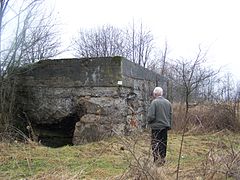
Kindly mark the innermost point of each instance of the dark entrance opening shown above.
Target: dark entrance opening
(58, 134)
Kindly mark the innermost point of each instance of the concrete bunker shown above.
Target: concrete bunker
(76, 101)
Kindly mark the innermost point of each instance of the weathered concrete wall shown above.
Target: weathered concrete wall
(83, 100)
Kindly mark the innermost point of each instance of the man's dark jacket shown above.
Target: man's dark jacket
(160, 114)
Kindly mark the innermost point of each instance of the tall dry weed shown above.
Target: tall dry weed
(207, 118)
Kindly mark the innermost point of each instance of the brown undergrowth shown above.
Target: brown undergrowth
(207, 118)
(204, 156)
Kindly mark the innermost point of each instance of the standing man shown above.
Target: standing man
(160, 121)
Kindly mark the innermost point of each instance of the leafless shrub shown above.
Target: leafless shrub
(13, 134)
(215, 118)
(139, 157)
(221, 162)
(151, 172)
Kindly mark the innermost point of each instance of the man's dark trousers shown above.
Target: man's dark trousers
(159, 144)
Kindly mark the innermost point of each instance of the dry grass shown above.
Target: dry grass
(19, 160)
(204, 156)
(194, 158)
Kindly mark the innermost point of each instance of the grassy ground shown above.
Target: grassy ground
(204, 156)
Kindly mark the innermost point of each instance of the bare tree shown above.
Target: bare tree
(140, 43)
(26, 34)
(3, 6)
(101, 42)
(226, 88)
(237, 102)
(32, 37)
(42, 41)
(164, 59)
(191, 75)
(108, 40)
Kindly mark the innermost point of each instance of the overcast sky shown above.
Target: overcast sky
(184, 24)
